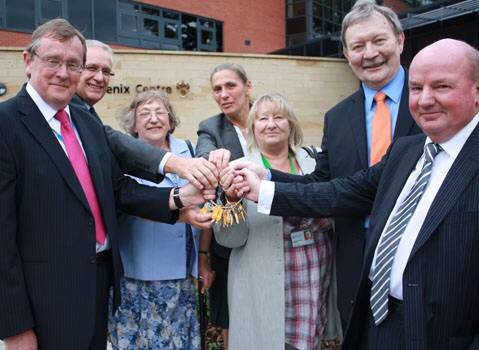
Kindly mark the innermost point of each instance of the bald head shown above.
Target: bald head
(450, 51)
(444, 88)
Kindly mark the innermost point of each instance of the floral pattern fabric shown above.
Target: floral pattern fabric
(156, 315)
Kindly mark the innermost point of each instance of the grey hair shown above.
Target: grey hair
(234, 67)
(102, 45)
(127, 117)
(281, 106)
(59, 29)
(364, 9)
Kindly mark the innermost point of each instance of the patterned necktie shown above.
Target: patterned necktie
(391, 237)
(382, 129)
(80, 166)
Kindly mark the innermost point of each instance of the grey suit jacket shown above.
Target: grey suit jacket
(441, 278)
(213, 133)
(256, 277)
(134, 156)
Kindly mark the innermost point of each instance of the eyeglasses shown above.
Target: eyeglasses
(148, 114)
(55, 63)
(92, 68)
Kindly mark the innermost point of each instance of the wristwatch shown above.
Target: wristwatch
(176, 198)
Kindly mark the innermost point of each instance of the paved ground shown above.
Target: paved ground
(2, 347)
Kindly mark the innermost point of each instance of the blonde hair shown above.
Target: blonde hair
(281, 106)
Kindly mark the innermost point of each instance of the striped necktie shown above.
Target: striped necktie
(391, 237)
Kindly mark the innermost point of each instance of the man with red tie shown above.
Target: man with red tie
(60, 189)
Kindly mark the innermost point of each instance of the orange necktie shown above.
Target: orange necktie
(382, 130)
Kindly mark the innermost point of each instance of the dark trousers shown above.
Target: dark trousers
(104, 279)
(389, 334)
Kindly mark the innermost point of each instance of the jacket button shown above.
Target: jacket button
(351, 302)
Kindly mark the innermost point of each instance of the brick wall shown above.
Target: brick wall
(262, 22)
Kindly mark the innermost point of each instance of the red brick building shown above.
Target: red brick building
(241, 26)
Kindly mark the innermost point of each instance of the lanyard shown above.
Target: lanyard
(292, 166)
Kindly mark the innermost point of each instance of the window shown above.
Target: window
(19, 14)
(50, 9)
(155, 27)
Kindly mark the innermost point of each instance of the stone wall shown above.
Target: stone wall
(313, 85)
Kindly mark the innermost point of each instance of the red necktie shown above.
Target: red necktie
(79, 164)
(382, 130)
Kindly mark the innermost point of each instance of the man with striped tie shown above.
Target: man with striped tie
(419, 284)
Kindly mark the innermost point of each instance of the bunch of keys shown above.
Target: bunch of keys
(229, 214)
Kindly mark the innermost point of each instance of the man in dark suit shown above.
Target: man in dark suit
(60, 189)
(420, 277)
(134, 156)
(372, 43)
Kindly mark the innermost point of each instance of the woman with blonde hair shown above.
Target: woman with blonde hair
(281, 285)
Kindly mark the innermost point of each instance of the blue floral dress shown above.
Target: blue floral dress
(158, 309)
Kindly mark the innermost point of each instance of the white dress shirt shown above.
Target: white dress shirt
(49, 113)
(442, 164)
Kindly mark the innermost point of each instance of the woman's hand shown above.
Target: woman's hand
(220, 157)
(206, 274)
(194, 217)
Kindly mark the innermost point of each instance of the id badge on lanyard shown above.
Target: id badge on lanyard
(302, 238)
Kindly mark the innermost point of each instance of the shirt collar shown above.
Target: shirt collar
(178, 146)
(393, 89)
(454, 145)
(47, 111)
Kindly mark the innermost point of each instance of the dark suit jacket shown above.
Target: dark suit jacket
(441, 279)
(213, 133)
(345, 151)
(47, 239)
(135, 157)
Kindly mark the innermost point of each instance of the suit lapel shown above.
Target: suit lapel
(393, 183)
(404, 122)
(90, 146)
(34, 121)
(230, 139)
(462, 171)
(358, 126)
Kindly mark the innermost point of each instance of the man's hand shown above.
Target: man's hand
(238, 165)
(192, 196)
(206, 274)
(194, 217)
(220, 158)
(24, 341)
(198, 171)
(248, 184)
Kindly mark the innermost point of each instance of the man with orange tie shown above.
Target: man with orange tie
(60, 189)
(359, 129)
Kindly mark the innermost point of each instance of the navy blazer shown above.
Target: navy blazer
(344, 151)
(441, 279)
(47, 239)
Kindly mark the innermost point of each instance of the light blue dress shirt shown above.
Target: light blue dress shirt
(153, 251)
(393, 90)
